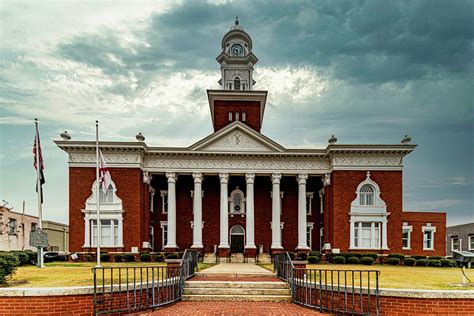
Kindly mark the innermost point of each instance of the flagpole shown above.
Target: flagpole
(39, 189)
(99, 234)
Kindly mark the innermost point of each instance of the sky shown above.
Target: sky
(365, 71)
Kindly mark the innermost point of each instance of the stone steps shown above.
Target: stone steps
(235, 284)
(235, 291)
(235, 274)
(237, 298)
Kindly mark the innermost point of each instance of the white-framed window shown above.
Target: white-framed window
(321, 201)
(106, 198)
(367, 194)
(244, 116)
(455, 243)
(151, 201)
(367, 235)
(428, 237)
(309, 235)
(309, 199)
(237, 202)
(237, 85)
(164, 201)
(231, 116)
(471, 242)
(109, 232)
(12, 226)
(237, 116)
(406, 237)
(164, 234)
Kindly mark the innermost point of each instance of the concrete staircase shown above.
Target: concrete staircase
(236, 258)
(264, 258)
(236, 291)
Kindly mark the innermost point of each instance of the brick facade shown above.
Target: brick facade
(419, 219)
(222, 109)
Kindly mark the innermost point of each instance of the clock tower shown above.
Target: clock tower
(236, 60)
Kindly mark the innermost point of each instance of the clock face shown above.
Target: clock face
(237, 50)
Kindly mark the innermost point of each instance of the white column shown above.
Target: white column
(250, 226)
(172, 177)
(224, 217)
(197, 210)
(276, 211)
(384, 234)
(302, 242)
(120, 231)
(352, 235)
(87, 233)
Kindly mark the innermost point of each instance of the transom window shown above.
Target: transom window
(237, 230)
(366, 195)
(367, 235)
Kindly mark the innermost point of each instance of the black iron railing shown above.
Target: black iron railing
(133, 289)
(340, 291)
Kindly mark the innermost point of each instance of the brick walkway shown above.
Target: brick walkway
(233, 308)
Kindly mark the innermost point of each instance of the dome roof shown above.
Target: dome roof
(237, 31)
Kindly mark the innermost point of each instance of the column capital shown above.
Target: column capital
(172, 177)
(147, 177)
(302, 177)
(276, 177)
(250, 177)
(197, 177)
(224, 177)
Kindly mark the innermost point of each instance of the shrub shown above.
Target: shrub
(435, 258)
(421, 262)
(158, 257)
(6, 269)
(370, 255)
(447, 263)
(22, 257)
(397, 255)
(339, 260)
(172, 255)
(145, 257)
(314, 254)
(409, 262)
(89, 257)
(291, 254)
(353, 260)
(418, 257)
(118, 258)
(10, 258)
(393, 261)
(128, 257)
(105, 257)
(329, 257)
(32, 256)
(313, 259)
(301, 256)
(434, 263)
(367, 261)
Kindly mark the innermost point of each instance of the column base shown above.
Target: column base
(171, 249)
(250, 255)
(250, 246)
(278, 251)
(276, 246)
(197, 246)
(303, 249)
(223, 254)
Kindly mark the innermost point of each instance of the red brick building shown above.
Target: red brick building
(237, 191)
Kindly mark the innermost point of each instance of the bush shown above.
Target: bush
(421, 262)
(315, 254)
(418, 257)
(329, 257)
(301, 256)
(32, 256)
(172, 255)
(409, 262)
(291, 254)
(313, 259)
(339, 260)
(158, 257)
(435, 258)
(6, 269)
(367, 261)
(353, 260)
(447, 263)
(393, 261)
(22, 257)
(434, 263)
(10, 258)
(89, 258)
(397, 255)
(145, 257)
(105, 257)
(118, 258)
(128, 257)
(370, 255)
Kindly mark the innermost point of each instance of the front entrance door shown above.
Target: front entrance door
(237, 239)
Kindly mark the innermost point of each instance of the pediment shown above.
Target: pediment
(237, 137)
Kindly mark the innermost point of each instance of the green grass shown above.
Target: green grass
(400, 277)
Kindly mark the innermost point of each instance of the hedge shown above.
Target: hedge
(397, 255)
(447, 263)
(158, 257)
(409, 262)
(353, 260)
(145, 257)
(315, 254)
(421, 262)
(367, 260)
(118, 258)
(128, 257)
(313, 259)
(301, 256)
(172, 255)
(8, 264)
(393, 261)
(339, 260)
(434, 263)
(418, 257)
(105, 257)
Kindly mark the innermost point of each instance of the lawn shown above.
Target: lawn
(59, 274)
(401, 277)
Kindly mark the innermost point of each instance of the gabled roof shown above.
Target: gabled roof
(237, 137)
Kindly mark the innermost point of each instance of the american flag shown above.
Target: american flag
(41, 169)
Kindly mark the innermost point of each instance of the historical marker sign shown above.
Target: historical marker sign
(38, 238)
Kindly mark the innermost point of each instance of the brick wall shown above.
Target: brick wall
(130, 189)
(222, 109)
(46, 305)
(402, 306)
(419, 219)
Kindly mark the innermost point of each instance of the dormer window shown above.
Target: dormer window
(237, 84)
(366, 195)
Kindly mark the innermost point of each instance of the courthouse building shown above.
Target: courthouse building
(239, 192)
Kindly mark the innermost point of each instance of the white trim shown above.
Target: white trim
(408, 228)
(459, 243)
(310, 225)
(163, 194)
(162, 225)
(431, 229)
(309, 204)
(321, 201)
(242, 210)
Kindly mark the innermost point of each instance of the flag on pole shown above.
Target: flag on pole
(105, 179)
(36, 153)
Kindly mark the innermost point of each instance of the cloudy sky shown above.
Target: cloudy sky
(366, 71)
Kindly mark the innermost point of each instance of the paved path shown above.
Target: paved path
(243, 268)
(232, 308)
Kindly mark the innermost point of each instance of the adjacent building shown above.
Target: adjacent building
(460, 238)
(237, 191)
(58, 235)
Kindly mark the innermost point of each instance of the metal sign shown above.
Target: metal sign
(38, 238)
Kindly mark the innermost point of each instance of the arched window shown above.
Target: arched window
(237, 230)
(237, 203)
(244, 116)
(366, 195)
(237, 116)
(230, 116)
(237, 83)
(108, 197)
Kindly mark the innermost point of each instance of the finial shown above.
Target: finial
(406, 139)
(332, 140)
(368, 174)
(236, 20)
(140, 137)
(65, 135)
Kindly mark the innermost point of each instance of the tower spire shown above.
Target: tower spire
(236, 20)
